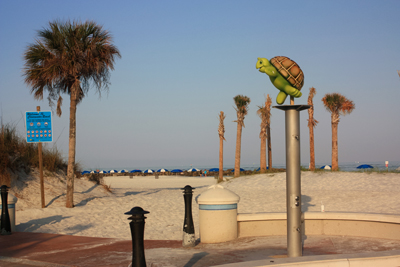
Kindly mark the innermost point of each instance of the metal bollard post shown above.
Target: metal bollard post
(5, 225)
(137, 232)
(188, 239)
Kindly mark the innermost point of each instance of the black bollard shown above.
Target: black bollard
(5, 225)
(188, 239)
(137, 232)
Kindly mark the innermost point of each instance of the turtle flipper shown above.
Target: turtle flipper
(281, 98)
(290, 90)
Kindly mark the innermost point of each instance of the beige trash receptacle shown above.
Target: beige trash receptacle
(11, 201)
(217, 215)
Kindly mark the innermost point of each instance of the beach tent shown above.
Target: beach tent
(136, 170)
(113, 171)
(162, 170)
(85, 172)
(193, 170)
(365, 166)
(149, 171)
(123, 171)
(242, 170)
(214, 170)
(176, 170)
(326, 167)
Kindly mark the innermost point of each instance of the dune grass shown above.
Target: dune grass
(16, 154)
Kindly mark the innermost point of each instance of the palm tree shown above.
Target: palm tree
(337, 105)
(68, 58)
(264, 112)
(242, 102)
(221, 132)
(311, 125)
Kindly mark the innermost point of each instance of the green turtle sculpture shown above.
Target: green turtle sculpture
(284, 74)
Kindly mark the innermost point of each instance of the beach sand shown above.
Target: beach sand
(99, 213)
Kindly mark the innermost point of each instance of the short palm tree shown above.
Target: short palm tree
(311, 125)
(242, 102)
(68, 58)
(337, 105)
(221, 133)
(264, 112)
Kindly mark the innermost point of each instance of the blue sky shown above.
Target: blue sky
(184, 61)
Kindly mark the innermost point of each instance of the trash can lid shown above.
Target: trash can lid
(11, 199)
(217, 194)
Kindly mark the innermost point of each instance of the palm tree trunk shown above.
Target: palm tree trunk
(263, 155)
(335, 153)
(312, 153)
(71, 149)
(269, 147)
(238, 145)
(221, 158)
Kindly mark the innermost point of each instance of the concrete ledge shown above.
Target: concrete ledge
(381, 259)
(323, 223)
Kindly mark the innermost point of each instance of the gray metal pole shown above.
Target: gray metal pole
(293, 179)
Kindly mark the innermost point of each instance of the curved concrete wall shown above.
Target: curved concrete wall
(322, 223)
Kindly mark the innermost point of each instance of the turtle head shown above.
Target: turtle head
(262, 64)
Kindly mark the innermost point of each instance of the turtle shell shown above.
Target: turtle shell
(289, 70)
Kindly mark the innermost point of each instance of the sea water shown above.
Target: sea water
(343, 166)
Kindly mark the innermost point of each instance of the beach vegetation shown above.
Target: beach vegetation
(337, 105)
(69, 58)
(312, 123)
(221, 133)
(242, 107)
(264, 112)
(18, 155)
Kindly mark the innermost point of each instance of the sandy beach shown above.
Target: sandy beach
(99, 213)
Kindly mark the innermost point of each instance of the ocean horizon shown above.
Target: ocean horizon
(343, 166)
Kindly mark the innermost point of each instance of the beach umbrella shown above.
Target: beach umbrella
(242, 170)
(85, 172)
(162, 170)
(136, 170)
(326, 167)
(365, 166)
(123, 171)
(113, 171)
(149, 171)
(193, 170)
(93, 172)
(214, 170)
(103, 172)
(176, 170)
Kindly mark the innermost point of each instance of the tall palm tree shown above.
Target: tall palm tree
(68, 58)
(337, 105)
(311, 125)
(221, 132)
(242, 102)
(264, 112)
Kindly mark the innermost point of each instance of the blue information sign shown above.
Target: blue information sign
(38, 127)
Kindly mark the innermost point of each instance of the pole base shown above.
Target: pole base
(188, 240)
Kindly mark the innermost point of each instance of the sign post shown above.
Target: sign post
(38, 130)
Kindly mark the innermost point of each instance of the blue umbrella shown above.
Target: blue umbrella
(136, 170)
(193, 170)
(85, 172)
(326, 167)
(162, 170)
(176, 170)
(365, 166)
(123, 171)
(242, 170)
(113, 171)
(260, 169)
(93, 172)
(149, 171)
(103, 172)
(214, 170)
